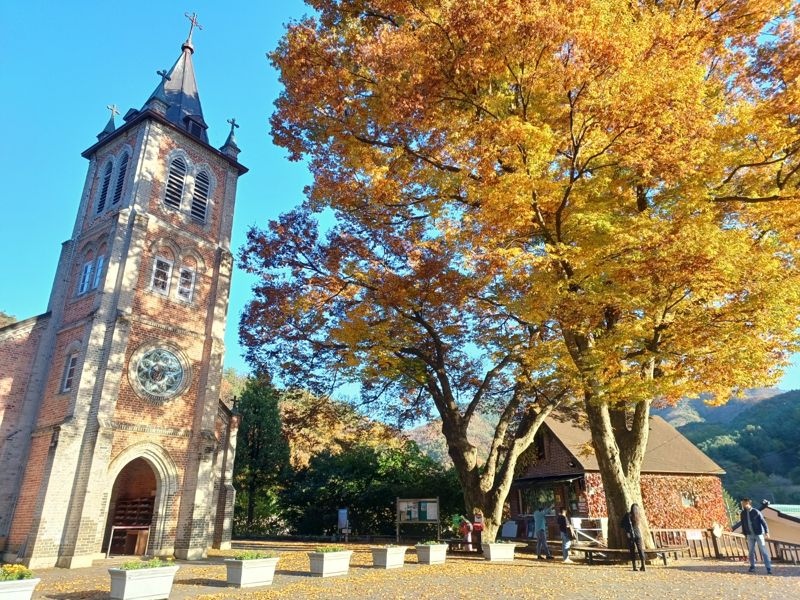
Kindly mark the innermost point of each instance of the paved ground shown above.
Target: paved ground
(460, 577)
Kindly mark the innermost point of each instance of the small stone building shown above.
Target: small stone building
(112, 430)
(681, 486)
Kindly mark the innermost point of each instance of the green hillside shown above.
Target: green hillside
(759, 448)
(697, 411)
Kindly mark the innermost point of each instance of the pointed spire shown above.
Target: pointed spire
(178, 91)
(110, 126)
(193, 20)
(230, 147)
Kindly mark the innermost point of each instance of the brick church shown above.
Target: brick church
(113, 435)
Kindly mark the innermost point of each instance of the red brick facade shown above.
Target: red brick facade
(671, 501)
(60, 473)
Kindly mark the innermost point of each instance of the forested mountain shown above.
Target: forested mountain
(431, 441)
(759, 448)
(697, 411)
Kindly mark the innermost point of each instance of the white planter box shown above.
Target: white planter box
(498, 552)
(330, 564)
(19, 589)
(251, 573)
(431, 555)
(142, 584)
(392, 557)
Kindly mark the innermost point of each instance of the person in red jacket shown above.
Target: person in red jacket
(477, 529)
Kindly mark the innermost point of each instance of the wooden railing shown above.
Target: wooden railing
(703, 543)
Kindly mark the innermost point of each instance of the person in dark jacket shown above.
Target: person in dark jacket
(754, 526)
(567, 534)
(630, 523)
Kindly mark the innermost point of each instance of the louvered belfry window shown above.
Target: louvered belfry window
(202, 184)
(123, 168)
(175, 182)
(101, 202)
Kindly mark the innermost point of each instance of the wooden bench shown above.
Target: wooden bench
(661, 553)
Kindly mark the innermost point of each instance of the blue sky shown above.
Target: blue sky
(61, 63)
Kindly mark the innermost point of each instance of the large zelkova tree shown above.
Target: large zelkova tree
(533, 201)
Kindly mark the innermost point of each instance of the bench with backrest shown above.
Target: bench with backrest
(662, 553)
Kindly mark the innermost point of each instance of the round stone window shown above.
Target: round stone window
(158, 373)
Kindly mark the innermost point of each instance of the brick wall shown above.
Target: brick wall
(18, 345)
(663, 500)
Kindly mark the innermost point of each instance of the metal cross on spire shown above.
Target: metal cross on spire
(164, 75)
(113, 109)
(233, 123)
(193, 20)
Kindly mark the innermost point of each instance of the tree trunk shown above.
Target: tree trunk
(487, 488)
(619, 454)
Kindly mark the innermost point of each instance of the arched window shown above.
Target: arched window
(70, 366)
(101, 201)
(123, 169)
(175, 183)
(202, 184)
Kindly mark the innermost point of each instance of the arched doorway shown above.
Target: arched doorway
(131, 509)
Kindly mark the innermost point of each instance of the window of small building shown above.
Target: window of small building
(123, 169)
(175, 183)
(101, 201)
(162, 271)
(186, 284)
(70, 365)
(688, 499)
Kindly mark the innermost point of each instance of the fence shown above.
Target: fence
(702, 543)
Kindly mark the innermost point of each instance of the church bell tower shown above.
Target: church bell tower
(124, 443)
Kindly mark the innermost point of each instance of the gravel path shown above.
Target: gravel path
(460, 577)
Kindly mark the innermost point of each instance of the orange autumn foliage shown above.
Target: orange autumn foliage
(589, 196)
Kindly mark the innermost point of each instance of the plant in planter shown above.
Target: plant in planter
(143, 580)
(251, 569)
(329, 561)
(389, 556)
(499, 551)
(431, 553)
(16, 582)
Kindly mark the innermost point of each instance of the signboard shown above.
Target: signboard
(418, 510)
(343, 522)
(694, 534)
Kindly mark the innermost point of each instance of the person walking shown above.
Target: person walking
(631, 524)
(540, 527)
(567, 534)
(754, 526)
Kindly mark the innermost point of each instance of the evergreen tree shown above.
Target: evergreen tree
(262, 452)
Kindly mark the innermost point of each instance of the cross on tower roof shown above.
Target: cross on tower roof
(233, 123)
(164, 75)
(193, 20)
(113, 109)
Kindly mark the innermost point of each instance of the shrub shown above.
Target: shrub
(253, 555)
(15, 572)
(430, 543)
(153, 563)
(327, 549)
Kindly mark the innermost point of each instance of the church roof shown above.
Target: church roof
(668, 451)
(178, 90)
